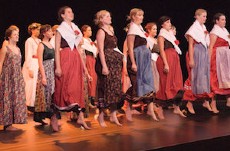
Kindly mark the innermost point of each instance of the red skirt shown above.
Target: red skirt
(188, 95)
(69, 88)
(90, 65)
(171, 82)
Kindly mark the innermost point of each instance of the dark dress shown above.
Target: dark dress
(12, 91)
(44, 94)
(109, 86)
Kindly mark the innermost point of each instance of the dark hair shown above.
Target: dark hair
(9, 31)
(62, 11)
(84, 28)
(162, 20)
(217, 17)
(44, 29)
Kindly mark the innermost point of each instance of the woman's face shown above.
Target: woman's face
(202, 17)
(221, 22)
(167, 25)
(68, 15)
(153, 31)
(138, 18)
(106, 19)
(48, 34)
(35, 32)
(14, 36)
(88, 32)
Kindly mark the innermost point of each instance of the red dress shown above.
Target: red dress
(90, 65)
(172, 82)
(69, 88)
(214, 80)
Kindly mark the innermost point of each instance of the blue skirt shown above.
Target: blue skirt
(145, 82)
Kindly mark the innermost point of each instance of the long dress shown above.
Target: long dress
(126, 83)
(44, 94)
(31, 63)
(109, 86)
(12, 91)
(197, 86)
(142, 81)
(220, 77)
(171, 84)
(154, 48)
(90, 65)
(69, 88)
(154, 56)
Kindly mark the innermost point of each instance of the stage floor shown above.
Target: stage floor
(141, 134)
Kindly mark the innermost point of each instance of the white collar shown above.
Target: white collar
(221, 32)
(135, 29)
(72, 34)
(171, 38)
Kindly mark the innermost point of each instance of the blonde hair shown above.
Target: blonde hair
(199, 11)
(32, 27)
(99, 15)
(134, 12)
(173, 27)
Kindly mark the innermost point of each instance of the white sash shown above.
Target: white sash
(89, 47)
(171, 38)
(221, 32)
(135, 29)
(73, 36)
(197, 32)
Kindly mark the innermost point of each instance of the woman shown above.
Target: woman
(91, 54)
(69, 86)
(45, 84)
(126, 83)
(13, 105)
(197, 86)
(139, 63)
(219, 50)
(151, 30)
(109, 68)
(30, 67)
(168, 65)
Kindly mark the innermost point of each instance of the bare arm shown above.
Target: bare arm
(162, 53)
(212, 43)
(130, 43)
(40, 63)
(57, 54)
(81, 52)
(2, 57)
(5, 43)
(100, 45)
(125, 51)
(191, 51)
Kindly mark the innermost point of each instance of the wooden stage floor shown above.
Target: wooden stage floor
(142, 134)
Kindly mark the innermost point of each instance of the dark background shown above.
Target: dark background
(24, 12)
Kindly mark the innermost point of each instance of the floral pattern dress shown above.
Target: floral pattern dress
(12, 91)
